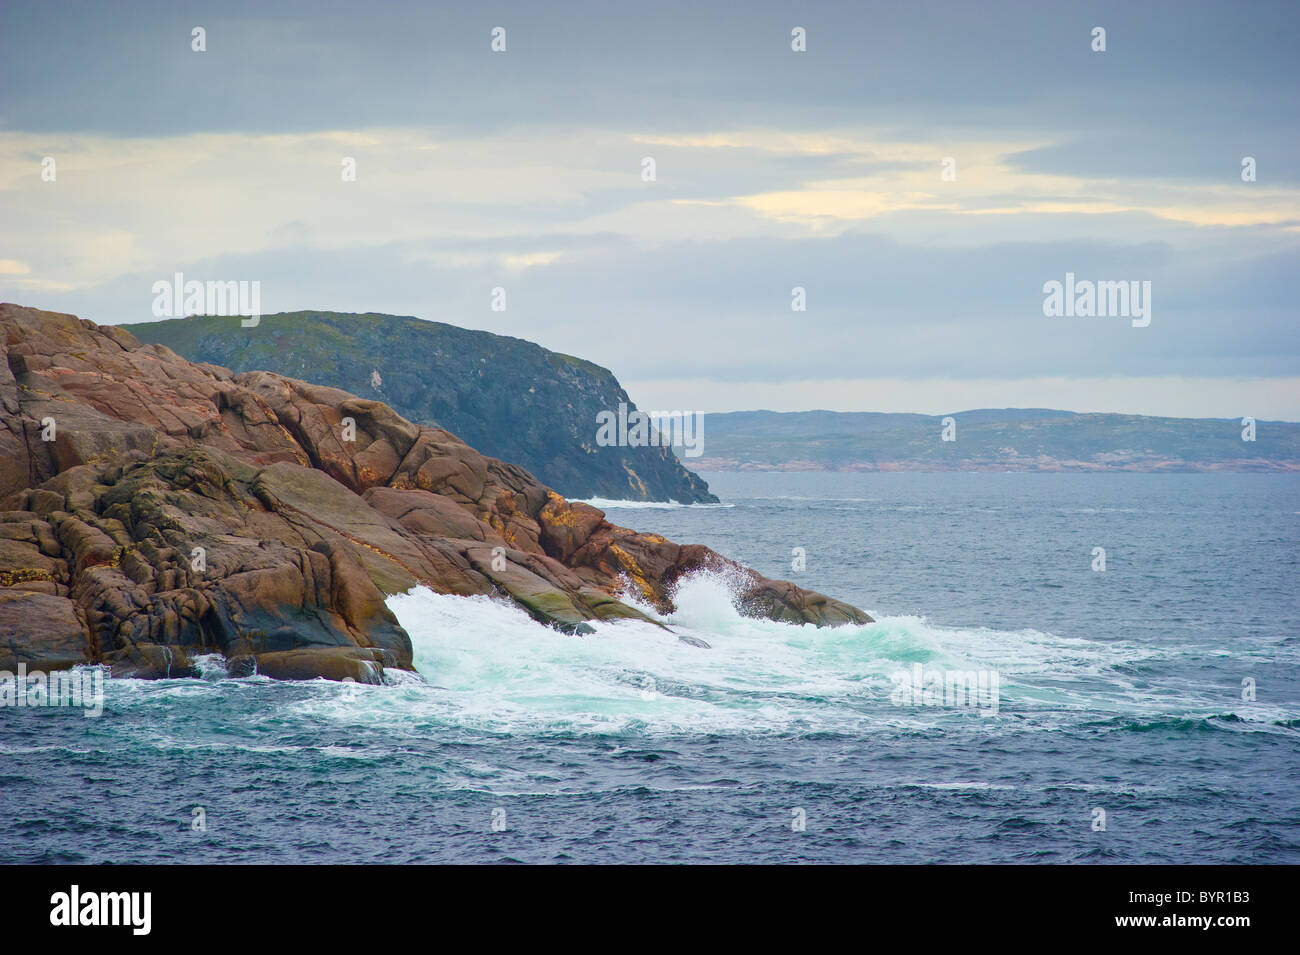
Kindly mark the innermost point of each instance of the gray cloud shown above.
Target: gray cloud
(682, 279)
(295, 65)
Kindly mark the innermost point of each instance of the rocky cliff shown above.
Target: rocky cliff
(152, 509)
(507, 397)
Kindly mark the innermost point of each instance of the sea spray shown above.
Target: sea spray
(500, 670)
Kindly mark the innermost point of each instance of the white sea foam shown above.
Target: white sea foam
(497, 669)
(486, 665)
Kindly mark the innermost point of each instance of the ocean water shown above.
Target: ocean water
(1118, 692)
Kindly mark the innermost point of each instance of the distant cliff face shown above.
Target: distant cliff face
(507, 397)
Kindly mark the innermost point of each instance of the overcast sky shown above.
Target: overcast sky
(774, 169)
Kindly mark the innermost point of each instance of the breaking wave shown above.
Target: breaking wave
(493, 668)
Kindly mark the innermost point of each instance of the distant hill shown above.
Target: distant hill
(507, 397)
(1007, 439)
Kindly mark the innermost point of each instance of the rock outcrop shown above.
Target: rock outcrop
(507, 397)
(153, 509)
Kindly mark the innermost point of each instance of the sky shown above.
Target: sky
(822, 169)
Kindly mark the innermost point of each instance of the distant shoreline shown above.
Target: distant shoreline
(1025, 440)
(715, 466)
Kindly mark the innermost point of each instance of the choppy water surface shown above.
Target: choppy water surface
(1118, 690)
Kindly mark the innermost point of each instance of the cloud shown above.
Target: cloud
(774, 170)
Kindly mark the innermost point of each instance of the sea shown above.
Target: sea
(1132, 643)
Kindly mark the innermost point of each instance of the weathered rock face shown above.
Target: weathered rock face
(152, 510)
(507, 397)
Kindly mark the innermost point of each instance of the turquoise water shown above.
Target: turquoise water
(1118, 691)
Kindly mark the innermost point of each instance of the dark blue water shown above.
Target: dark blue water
(1120, 691)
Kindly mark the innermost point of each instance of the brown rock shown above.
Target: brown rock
(180, 509)
(41, 631)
